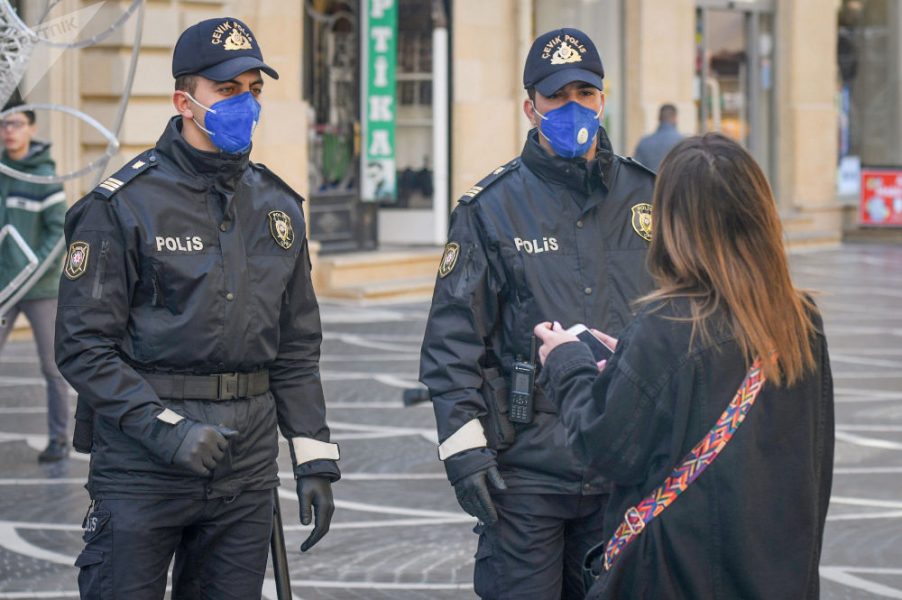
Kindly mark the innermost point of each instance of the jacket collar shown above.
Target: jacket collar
(577, 174)
(224, 168)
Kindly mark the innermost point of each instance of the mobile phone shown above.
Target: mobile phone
(599, 349)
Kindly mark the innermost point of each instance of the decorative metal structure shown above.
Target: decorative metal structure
(17, 42)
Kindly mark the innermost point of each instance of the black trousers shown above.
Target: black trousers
(536, 548)
(220, 546)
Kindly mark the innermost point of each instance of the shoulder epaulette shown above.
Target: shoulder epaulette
(264, 169)
(632, 161)
(488, 180)
(123, 176)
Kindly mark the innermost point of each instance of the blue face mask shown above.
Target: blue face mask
(570, 129)
(230, 123)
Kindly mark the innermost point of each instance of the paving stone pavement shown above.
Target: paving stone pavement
(398, 533)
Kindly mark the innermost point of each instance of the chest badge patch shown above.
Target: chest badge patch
(641, 220)
(449, 259)
(280, 228)
(77, 260)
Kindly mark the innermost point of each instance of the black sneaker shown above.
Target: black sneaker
(55, 451)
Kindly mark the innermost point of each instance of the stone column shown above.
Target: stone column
(806, 58)
(660, 65)
(487, 75)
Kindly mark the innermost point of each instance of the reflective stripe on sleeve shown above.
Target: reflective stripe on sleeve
(470, 436)
(171, 417)
(307, 449)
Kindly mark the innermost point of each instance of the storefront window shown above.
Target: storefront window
(414, 121)
(869, 54)
(734, 72)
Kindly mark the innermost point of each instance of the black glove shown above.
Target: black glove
(202, 448)
(315, 493)
(473, 495)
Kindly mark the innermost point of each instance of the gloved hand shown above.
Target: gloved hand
(473, 494)
(203, 448)
(315, 493)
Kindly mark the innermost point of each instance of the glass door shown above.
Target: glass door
(734, 74)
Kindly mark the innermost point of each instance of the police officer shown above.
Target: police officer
(558, 234)
(188, 323)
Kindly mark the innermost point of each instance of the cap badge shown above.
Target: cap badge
(565, 54)
(232, 36)
(280, 228)
(77, 260)
(641, 220)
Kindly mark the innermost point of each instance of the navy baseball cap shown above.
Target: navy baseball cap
(218, 49)
(559, 57)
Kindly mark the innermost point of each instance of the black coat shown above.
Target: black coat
(542, 238)
(185, 274)
(751, 526)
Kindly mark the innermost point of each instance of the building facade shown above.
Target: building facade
(388, 110)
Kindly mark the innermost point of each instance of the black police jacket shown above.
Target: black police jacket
(752, 525)
(541, 239)
(191, 262)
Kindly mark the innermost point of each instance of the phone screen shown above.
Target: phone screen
(599, 350)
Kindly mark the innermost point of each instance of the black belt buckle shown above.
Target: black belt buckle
(228, 386)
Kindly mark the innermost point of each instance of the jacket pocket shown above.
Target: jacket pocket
(95, 561)
(486, 575)
(498, 428)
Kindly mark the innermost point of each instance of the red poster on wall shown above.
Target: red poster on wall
(881, 197)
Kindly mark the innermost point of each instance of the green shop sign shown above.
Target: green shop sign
(380, 48)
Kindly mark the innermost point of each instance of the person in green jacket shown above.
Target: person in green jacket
(37, 212)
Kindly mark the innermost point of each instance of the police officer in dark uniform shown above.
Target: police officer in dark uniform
(188, 326)
(557, 234)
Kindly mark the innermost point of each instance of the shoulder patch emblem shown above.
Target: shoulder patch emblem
(449, 259)
(77, 260)
(280, 228)
(641, 220)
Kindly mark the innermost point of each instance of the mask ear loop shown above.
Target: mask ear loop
(206, 108)
(541, 116)
(536, 110)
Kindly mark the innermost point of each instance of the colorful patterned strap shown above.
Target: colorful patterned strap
(698, 459)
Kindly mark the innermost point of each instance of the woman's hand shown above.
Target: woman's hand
(610, 342)
(552, 335)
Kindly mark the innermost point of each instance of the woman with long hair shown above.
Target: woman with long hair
(714, 417)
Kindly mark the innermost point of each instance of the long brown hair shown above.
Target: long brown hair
(718, 241)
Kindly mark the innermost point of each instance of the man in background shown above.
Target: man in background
(37, 211)
(654, 147)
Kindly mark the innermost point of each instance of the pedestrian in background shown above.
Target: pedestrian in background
(559, 232)
(188, 323)
(751, 525)
(652, 148)
(37, 211)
